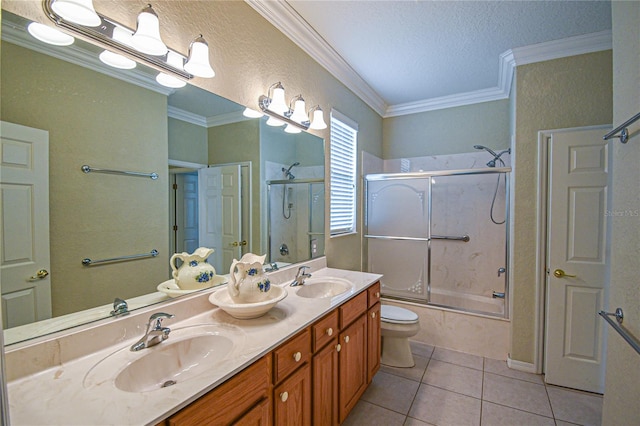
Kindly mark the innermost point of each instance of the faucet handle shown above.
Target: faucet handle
(303, 269)
(158, 317)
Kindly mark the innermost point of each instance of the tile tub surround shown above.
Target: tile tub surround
(54, 393)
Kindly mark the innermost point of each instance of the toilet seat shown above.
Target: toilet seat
(397, 315)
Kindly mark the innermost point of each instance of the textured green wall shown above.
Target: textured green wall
(562, 93)
(447, 131)
(103, 122)
(188, 142)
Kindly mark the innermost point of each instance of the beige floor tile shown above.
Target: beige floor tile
(575, 406)
(500, 367)
(414, 373)
(460, 358)
(561, 423)
(392, 392)
(415, 422)
(365, 413)
(455, 378)
(421, 349)
(444, 408)
(499, 415)
(516, 393)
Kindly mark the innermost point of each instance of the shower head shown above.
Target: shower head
(496, 156)
(287, 172)
(490, 151)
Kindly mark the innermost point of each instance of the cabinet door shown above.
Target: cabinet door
(353, 365)
(292, 399)
(325, 385)
(260, 415)
(373, 341)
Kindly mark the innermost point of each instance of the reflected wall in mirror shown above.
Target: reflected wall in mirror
(113, 120)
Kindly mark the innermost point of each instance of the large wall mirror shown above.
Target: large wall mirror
(68, 113)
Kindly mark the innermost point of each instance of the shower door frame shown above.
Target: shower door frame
(429, 237)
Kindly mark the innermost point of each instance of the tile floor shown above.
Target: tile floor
(453, 388)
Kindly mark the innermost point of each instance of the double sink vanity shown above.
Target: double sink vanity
(307, 360)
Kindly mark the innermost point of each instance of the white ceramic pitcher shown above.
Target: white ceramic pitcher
(247, 282)
(194, 273)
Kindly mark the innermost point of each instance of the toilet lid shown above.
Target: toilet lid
(395, 314)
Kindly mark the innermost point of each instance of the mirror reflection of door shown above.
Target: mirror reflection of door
(26, 289)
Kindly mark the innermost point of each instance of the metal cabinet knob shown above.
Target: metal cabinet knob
(559, 273)
(373, 314)
(297, 356)
(338, 347)
(378, 294)
(284, 396)
(346, 339)
(329, 331)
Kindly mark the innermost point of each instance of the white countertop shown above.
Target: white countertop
(57, 395)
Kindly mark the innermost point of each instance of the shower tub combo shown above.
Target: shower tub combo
(441, 238)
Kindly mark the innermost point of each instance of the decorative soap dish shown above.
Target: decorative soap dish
(222, 299)
(171, 289)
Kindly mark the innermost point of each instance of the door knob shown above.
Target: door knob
(559, 273)
(239, 243)
(42, 273)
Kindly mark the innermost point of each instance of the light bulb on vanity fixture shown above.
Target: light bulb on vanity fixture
(317, 123)
(116, 60)
(176, 61)
(299, 114)
(251, 113)
(198, 62)
(77, 11)
(49, 35)
(147, 39)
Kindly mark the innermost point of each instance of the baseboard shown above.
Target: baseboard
(521, 366)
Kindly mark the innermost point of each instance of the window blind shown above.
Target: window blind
(343, 174)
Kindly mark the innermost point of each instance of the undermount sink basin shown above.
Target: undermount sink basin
(324, 287)
(187, 353)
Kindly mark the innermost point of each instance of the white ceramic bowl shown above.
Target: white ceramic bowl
(171, 289)
(222, 299)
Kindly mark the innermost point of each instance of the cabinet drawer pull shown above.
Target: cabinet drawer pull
(378, 294)
(373, 314)
(284, 396)
(297, 357)
(346, 339)
(338, 347)
(329, 331)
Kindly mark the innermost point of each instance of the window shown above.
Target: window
(342, 213)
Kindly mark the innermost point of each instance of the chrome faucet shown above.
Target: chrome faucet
(300, 276)
(155, 333)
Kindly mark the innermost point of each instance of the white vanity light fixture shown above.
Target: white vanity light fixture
(317, 123)
(143, 45)
(77, 11)
(116, 60)
(292, 129)
(49, 35)
(294, 114)
(147, 39)
(251, 113)
(167, 80)
(198, 62)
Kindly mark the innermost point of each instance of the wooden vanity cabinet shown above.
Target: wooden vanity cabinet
(325, 370)
(374, 341)
(243, 399)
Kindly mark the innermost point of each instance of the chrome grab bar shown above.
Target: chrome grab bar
(89, 169)
(89, 262)
(464, 238)
(624, 132)
(617, 326)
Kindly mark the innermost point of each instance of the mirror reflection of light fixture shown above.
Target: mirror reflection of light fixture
(147, 39)
(292, 129)
(198, 62)
(279, 113)
(167, 80)
(49, 35)
(251, 113)
(144, 45)
(77, 11)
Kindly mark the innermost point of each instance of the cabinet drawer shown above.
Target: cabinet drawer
(374, 294)
(291, 355)
(353, 309)
(324, 330)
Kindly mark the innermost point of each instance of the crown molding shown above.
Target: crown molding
(198, 120)
(290, 23)
(82, 57)
(281, 15)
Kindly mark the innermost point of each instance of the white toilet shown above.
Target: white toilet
(397, 325)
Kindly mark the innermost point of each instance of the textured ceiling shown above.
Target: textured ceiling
(411, 51)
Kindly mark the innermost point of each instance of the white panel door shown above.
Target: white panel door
(210, 214)
(232, 242)
(577, 259)
(187, 212)
(24, 224)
